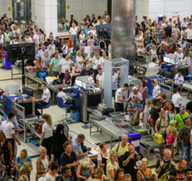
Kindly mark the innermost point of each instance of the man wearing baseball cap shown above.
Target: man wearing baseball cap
(66, 100)
(179, 118)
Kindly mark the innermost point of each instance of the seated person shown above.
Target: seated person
(140, 51)
(86, 70)
(44, 99)
(66, 99)
(178, 80)
(79, 148)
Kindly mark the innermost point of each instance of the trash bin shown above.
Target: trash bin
(134, 137)
(7, 64)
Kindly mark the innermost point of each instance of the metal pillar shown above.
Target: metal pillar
(123, 29)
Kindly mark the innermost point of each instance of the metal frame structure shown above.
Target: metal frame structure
(121, 63)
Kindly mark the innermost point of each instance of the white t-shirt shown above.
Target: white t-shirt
(49, 177)
(153, 54)
(28, 40)
(65, 49)
(79, 59)
(178, 57)
(139, 95)
(47, 130)
(95, 61)
(73, 31)
(182, 45)
(187, 60)
(140, 50)
(156, 90)
(46, 95)
(178, 80)
(82, 37)
(120, 93)
(100, 78)
(114, 81)
(152, 64)
(176, 99)
(99, 157)
(2, 39)
(13, 42)
(101, 62)
(37, 39)
(65, 64)
(189, 34)
(90, 80)
(63, 95)
(8, 129)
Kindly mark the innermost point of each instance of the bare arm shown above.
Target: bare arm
(15, 138)
(112, 173)
(42, 136)
(74, 164)
(156, 125)
(138, 175)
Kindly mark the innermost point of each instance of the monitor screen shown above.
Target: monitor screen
(28, 91)
(78, 83)
(172, 61)
(167, 60)
(84, 85)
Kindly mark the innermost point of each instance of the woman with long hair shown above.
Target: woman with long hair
(46, 60)
(42, 163)
(144, 91)
(75, 73)
(59, 138)
(171, 113)
(47, 134)
(112, 166)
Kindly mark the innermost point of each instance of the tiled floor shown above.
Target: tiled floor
(56, 114)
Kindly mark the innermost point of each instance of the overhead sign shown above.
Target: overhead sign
(68, 6)
(175, 16)
(9, 8)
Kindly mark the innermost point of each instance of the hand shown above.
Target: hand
(157, 133)
(86, 153)
(131, 156)
(135, 109)
(161, 163)
(59, 73)
(40, 143)
(142, 120)
(19, 143)
(51, 72)
(183, 143)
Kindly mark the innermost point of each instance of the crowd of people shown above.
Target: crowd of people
(170, 119)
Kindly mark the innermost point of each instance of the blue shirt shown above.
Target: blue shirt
(163, 52)
(20, 163)
(184, 24)
(65, 26)
(77, 148)
(85, 31)
(148, 48)
(65, 159)
(41, 53)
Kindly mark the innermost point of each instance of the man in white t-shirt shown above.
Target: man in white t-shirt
(44, 101)
(153, 63)
(188, 33)
(65, 63)
(73, 33)
(100, 78)
(28, 39)
(36, 38)
(66, 100)
(177, 99)
(178, 80)
(101, 62)
(179, 56)
(9, 130)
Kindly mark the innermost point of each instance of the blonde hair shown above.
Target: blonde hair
(111, 154)
(162, 112)
(86, 163)
(155, 81)
(141, 45)
(48, 119)
(149, 101)
(172, 129)
(46, 53)
(145, 160)
(23, 178)
(25, 151)
(42, 148)
(78, 52)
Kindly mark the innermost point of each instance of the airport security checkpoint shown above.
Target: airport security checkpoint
(106, 98)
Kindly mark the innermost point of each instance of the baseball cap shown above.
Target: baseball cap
(181, 107)
(172, 122)
(60, 88)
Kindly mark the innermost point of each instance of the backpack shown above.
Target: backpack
(170, 138)
(107, 111)
(135, 119)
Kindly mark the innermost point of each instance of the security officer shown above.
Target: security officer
(177, 99)
(178, 80)
(9, 130)
(120, 97)
(44, 99)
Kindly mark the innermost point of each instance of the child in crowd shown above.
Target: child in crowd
(187, 59)
(23, 178)
(48, 71)
(39, 63)
(65, 49)
(25, 170)
(171, 135)
(35, 63)
(67, 77)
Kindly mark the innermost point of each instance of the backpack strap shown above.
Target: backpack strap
(118, 147)
(144, 175)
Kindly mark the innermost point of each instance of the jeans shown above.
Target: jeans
(55, 74)
(185, 151)
(73, 41)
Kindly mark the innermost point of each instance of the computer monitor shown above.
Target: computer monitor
(172, 61)
(78, 83)
(12, 89)
(28, 91)
(84, 85)
(167, 60)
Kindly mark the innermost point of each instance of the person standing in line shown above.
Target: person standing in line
(47, 134)
(177, 99)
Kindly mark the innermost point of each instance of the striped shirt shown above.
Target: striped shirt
(159, 27)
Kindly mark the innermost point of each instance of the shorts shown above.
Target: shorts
(164, 135)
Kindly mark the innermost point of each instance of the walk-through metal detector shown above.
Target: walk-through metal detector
(121, 63)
